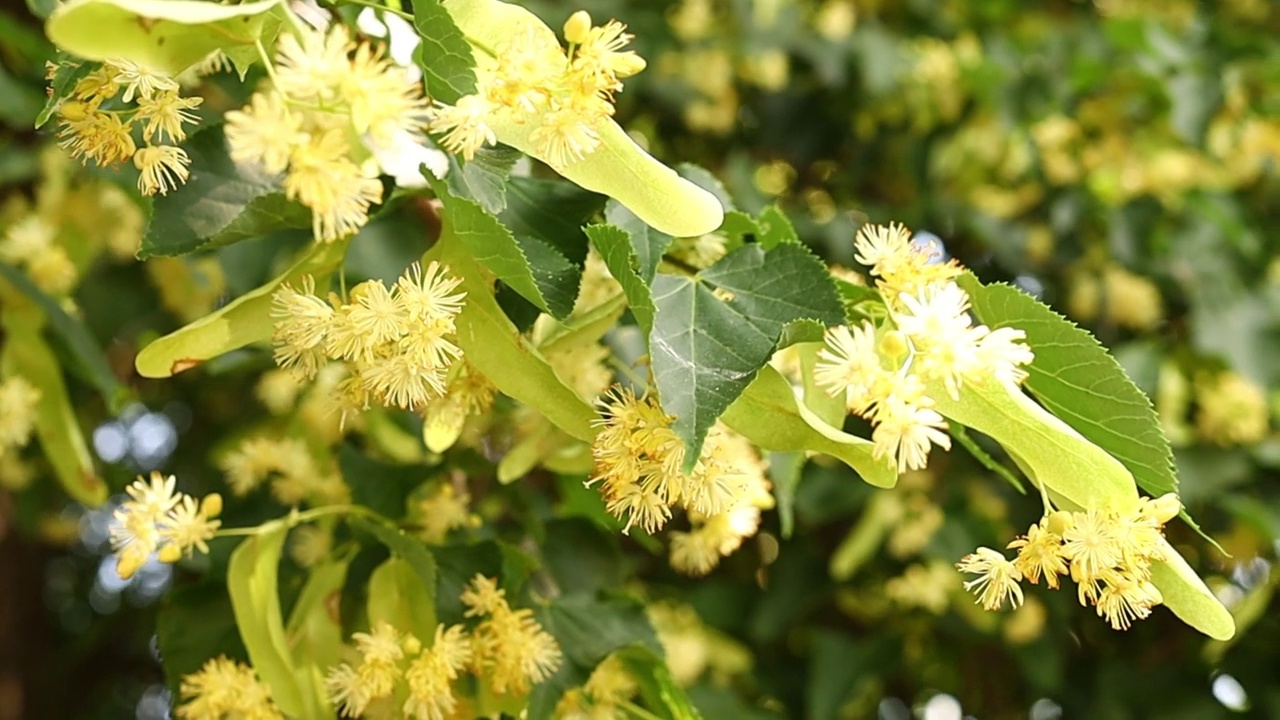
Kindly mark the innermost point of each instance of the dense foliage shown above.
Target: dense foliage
(362, 359)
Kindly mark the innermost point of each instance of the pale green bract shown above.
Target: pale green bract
(163, 36)
(618, 168)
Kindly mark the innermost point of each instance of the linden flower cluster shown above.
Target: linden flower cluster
(289, 466)
(393, 341)
(104, 109)
(223, 688)
(637, 459)
(156, 519)
(602, 696)
(884, 372)
(18, 400)
(330, 104)
(31, 243)
(1108, 554)
(508, 647)
(530, 80)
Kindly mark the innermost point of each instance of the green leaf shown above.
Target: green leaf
(23, 103)
(165, 36)
(1187, 596)
(588, 629)
(314, 630)
(457, 565)
(26, 354)
(90, 361)
(705, 350)
(581, 557)
(616, 249)
(484, 177)
(774, 228)
(222, 203)
(1080, 382)
(528, 265)
(252, 585)
(444, 55)
(411, 550)
(492, 344)
(658, 687)
(618, 168)
(244, 321)
(647, 243)
(68, 74)
(768, 415)
(398, 597)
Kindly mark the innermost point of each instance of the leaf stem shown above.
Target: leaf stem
(297, 518)
(637, 711)
(962, 436)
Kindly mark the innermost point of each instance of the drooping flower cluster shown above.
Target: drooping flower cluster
(638, 463)
(288, 465)
(157, 519)
(530, 80)
(394, 342)
(883, 372)
(510, 648)
(331, 104)
(602, 695)
(18, 400)
(107, 106)
(31, 243)
(223, 688)
(1107, 553)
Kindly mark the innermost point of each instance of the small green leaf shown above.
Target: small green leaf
(411, 550)
(528, 265)
(444, 55)
(767, 414)
(615, 248)
(242, 322)
(618, 168)
(774, 228)
(90, 361)
(484, 177)
(314, 630)
(68, 74)
(252, 585)
(658, 687)
(398, 597)
(222, 203)
(26, 354)
(165, 36)
(500, 353)
(1080, 382)
(713, 332)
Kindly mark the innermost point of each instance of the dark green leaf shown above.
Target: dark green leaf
(88, 359)
(380, 486)
(581, 557)
(658, 688)
(444, 55)
(195, 624)
(1080, 382)
(22, 104)
(616, 249)
(411, 550)
(648, 244)
(484, 178)
(775, 228)
(456, 566)
(222, 203)
(715, 331)
(553, 211)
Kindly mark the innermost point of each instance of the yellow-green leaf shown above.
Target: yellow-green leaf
(27, 354)
(1189, 598)
(768, 415)
(494, 346)
(398, 597)
(314, 630)
(242, 322)
(618, 168)
(165, 36)
(252, 584)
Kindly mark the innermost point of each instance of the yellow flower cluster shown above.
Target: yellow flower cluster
(637, 459)
(223, 688)
(289, 466)
(393, 341)
(883, 372)
(157, 519)
(508, 648)
(601, 697)
(330, 105)
(1108, 554)
(443, 510)
(396, 665)
(31, 243)
(18, 400)
(142, 100)
(530, 80)
(468, 393)
(1230, 409)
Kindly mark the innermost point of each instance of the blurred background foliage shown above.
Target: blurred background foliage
(1119, 159)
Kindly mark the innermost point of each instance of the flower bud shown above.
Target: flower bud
(128, 564)
(1059, 522)
(170, 554)
(1162, 509)
(625, 65)
(211, 505)
(411, 645)
(577, 29)
(73, 111)
(893, 344)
